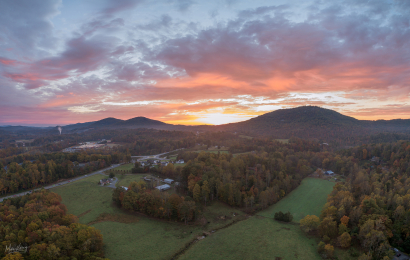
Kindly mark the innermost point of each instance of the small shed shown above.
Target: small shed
(125, 188)
(169, 181)
(329, 173)
(163, 187)
(180, 161)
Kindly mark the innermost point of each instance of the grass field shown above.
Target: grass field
(126, 167)
(284, 141)
(245, 136)
(211, 151)
(125, 180)
(86, 195)
(128, 236)
(255, 238)
(307, 199)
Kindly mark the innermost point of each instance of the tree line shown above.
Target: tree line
(39, 223)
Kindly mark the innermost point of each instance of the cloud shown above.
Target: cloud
(356, 51)
(33, 28)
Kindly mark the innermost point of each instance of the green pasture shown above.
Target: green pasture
(86, 195)
(307, 199)
(134, 236)
(245, 136)
(283, 141)
(255, 238)
(126, 167)
(125, 180)
(212, 151)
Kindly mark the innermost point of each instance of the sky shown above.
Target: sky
(201, 62)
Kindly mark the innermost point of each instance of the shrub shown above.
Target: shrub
(286, 217)
(112, 175)
(309, 223)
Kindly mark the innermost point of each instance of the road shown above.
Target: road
(62, 183)
(156, 156)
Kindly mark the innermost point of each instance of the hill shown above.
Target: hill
(303, 122)
(314, 122)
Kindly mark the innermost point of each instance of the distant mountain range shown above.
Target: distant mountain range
(304, 122)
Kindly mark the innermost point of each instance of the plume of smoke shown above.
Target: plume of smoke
(60, 129)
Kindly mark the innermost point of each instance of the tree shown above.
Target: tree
(329, 250)
(197, 192)
(345, 220)
(309, 223)
(112, 175)
(345, 240)
(205, 191)
(328, 227)
(321, 247)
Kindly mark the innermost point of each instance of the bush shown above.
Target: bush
(286, 217)
(309, 223)
(112, 175)
(321, 247)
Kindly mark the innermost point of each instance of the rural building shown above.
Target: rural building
(375, 159)
(125, 188)
(180, 161)
(163, 187)
(169, 181)
(164, 163)
(104, 181)
(329, 173)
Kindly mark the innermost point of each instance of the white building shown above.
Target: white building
(169, 181)
(163, 187)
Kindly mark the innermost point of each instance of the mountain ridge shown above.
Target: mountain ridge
(303, 122)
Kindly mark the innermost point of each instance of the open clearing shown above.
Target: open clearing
(134, 236)
(283, 141)
(126, 167)
(125, 180)
(255, 238)
(307, 199)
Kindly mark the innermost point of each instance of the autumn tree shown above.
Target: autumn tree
(309, 223)
(344, 240)
(197, 192)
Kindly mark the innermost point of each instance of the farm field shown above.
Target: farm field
(212, 151)
(126, 167)
(284, 141)
(245, 136)
(125, 180)
(307, 199)
(85, 198)
(255, 238)
(129, 235)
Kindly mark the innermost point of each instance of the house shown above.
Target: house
(329, 172)
(169, 181)
(180, 161)
(164, 163)
(104, 181)
(163, 187)
(375, 159)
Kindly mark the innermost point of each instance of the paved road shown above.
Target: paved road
(63, 182)
(156, 156)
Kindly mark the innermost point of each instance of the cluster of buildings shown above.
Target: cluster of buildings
(106, 181)
(87, 145)
(159, 162)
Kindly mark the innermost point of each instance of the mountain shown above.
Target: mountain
(138, 122)
(303, 122)
(313, 122)
(114, 123)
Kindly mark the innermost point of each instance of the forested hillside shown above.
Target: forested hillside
(40, 225)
